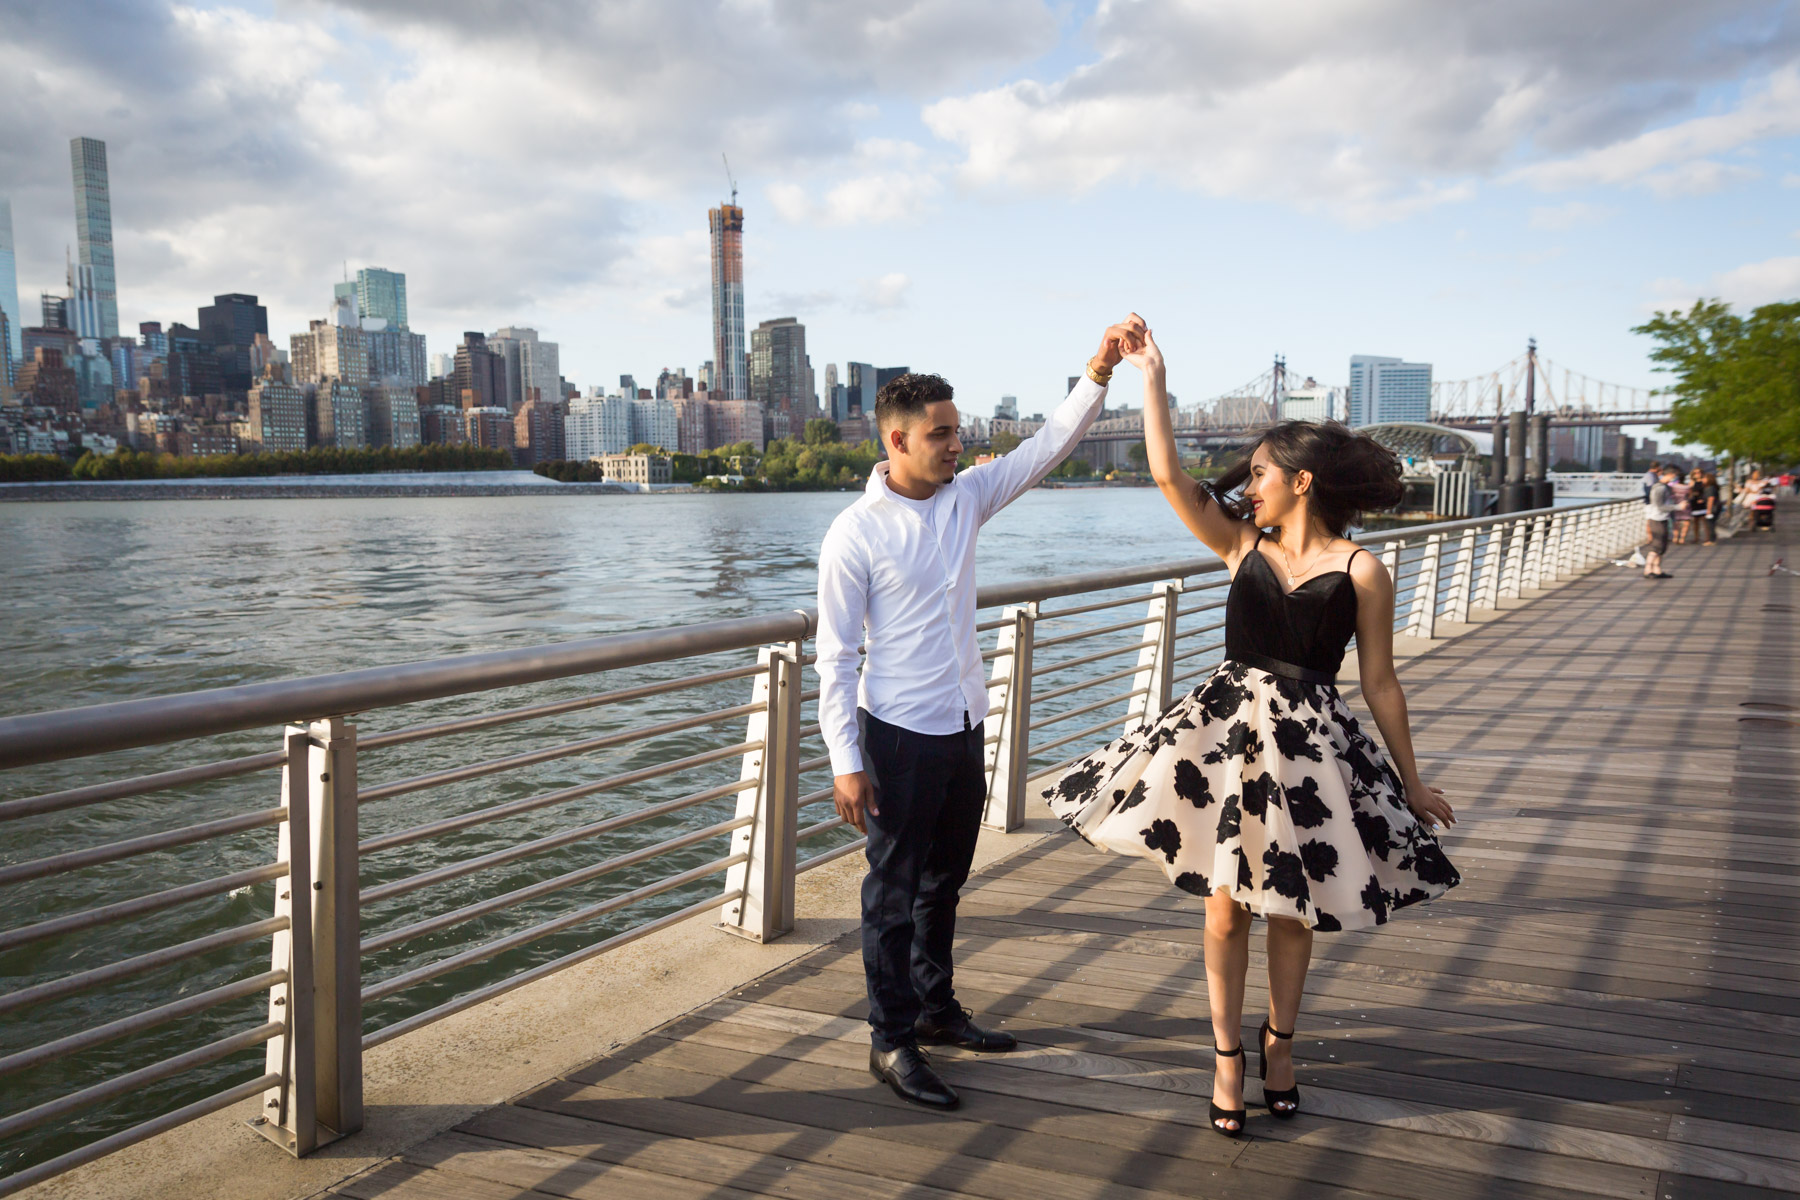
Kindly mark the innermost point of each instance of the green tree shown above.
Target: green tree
(1737, 379)
(1004, 442)
(820, 432)
(1138, 454)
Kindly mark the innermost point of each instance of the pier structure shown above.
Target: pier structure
(1605, 1007)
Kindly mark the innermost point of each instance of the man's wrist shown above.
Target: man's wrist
(1101, 375)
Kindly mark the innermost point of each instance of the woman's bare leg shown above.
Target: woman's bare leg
(1227, 959)
(1290, 953)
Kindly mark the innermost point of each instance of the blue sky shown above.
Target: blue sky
(970, 187)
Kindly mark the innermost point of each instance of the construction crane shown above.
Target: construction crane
(729, 178)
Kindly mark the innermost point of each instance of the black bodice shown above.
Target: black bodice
(1308, 627)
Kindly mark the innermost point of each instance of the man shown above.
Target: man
(906, 743)
(1658, 508)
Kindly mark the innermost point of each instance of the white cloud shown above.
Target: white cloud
(1762, 282)
(1563, 217)
(1381, 109)
(1745, 287)
(891, 183)
(884, 294)
(1681, 158)
(512, 160)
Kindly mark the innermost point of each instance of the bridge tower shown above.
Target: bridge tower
(1531, 369)
(1277, 387)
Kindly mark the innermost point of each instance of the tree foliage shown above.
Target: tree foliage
(1737, 378)
(822, 432)
(1004, 442)
(32, 468)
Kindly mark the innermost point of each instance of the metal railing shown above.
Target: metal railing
(516, 832)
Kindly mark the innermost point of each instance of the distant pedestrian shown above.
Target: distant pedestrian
(1682, 492)
(1657, 510)
(1650, 478)
(1757, 494)
(1705, 504)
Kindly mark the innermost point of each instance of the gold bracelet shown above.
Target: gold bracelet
(1098, 377)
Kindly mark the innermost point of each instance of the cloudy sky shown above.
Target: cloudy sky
(970, 186)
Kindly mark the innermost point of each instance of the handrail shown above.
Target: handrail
(123, 725)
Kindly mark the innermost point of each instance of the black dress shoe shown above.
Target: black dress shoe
(906, 1070)
(959, 1030)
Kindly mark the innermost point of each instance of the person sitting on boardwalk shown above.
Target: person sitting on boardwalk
(907, 744)
(1258, 790)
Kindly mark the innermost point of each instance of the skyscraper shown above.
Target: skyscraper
(230, 325)
(1388, 389)
(531, 366)
(381, 294)
(9, 280)
(93, 226)
(779, 368)
(862, 390)
(727, 224)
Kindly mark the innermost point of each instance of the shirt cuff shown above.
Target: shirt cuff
(847, 761)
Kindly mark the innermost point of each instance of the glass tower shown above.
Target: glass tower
(730, 380)
(382, 293)
(9, 281)
(93, 227)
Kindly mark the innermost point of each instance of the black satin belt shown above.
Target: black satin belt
(1286, 670)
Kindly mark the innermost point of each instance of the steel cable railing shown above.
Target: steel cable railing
(535, 841)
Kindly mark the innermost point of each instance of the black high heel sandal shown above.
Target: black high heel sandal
(1290, 1097)
(1217, 1114)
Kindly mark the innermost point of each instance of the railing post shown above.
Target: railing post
(289, 1118)
(1462, 579)
(760, 891)
(1554, 565)
(321, 1055)
(1156, 662)
(1513, 565)
(1007, 729)
(1424, 613)
(1488, 582)
(1531, 565)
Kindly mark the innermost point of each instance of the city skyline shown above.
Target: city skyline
(914, 180)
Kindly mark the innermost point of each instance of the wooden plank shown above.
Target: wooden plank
(1143, 1110)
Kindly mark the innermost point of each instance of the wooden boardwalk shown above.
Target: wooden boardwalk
(1608, 1006)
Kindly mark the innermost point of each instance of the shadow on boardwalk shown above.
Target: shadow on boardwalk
(1606, 1007)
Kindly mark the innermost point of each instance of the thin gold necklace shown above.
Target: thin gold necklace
(1293, 576)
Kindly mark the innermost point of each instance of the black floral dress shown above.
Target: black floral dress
(1259, 781)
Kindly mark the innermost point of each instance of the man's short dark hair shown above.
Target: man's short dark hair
(903, 398)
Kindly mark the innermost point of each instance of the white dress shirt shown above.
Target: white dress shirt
(899, 577)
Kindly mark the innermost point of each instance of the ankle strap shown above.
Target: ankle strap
(1274, 1032)
(1232, 1053)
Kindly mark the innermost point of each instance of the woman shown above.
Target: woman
(1681, 491)
(1758, 495)
(1258, 790)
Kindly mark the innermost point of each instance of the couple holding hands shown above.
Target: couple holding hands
(1257, 790)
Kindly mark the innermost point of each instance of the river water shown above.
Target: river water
(106, 601)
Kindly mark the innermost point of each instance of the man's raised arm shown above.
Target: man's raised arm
(1010, 476)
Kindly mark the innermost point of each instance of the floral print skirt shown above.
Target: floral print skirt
(1266, 787)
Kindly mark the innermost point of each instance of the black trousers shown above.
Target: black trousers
(930, 789)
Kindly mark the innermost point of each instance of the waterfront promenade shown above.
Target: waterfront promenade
(1606, 1007)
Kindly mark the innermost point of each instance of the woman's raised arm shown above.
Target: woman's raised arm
(1223, 534)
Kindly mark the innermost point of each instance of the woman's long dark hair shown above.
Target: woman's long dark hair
(1352, 473)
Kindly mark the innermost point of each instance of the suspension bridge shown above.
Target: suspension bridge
(1529, 383)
